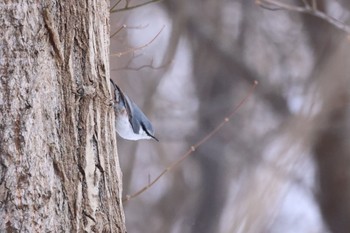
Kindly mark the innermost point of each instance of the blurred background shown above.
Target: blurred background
(281, 165)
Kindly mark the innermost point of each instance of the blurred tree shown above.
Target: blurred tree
(332, 147)
(284, 157)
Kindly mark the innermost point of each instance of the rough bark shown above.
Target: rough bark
(59, 170)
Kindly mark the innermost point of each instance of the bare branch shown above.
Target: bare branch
(195, 147)
(312, 10)
(131, 50)
(119, 29)
(150, 65)
(127, 7)
(116, 4)
(129, 27)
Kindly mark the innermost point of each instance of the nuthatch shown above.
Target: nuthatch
(131, 123)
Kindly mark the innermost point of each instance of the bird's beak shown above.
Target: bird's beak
(154, 138)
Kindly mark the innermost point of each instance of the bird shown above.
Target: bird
(130, 122)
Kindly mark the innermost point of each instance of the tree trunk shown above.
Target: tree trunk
(59, 170)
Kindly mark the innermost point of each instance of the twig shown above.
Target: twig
(195, 146)
(151, 66)
(116, 4)
(137, 48)
(119, 29)
(127, 7)
(312, 10)
(129, 27)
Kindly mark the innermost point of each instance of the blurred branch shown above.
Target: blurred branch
(195, 146)
(150, 65)
(307, 9)
(131, 50)
(115, 5)
(127, 7)
(119, 29)
(128, 27)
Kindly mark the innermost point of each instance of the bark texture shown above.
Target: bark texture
(59, 170)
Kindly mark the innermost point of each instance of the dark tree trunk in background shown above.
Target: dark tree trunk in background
(331, 149)
(211, 157)
(59, 170)
(332, 138)
(332, 156)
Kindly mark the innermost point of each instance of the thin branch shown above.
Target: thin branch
(119, 29)
(150, 66)
(127, 7)
(115, 5)
(137, 48)
(195, 146)
(306, 9)
(129, 27)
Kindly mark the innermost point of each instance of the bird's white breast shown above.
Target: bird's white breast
(125, 130)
